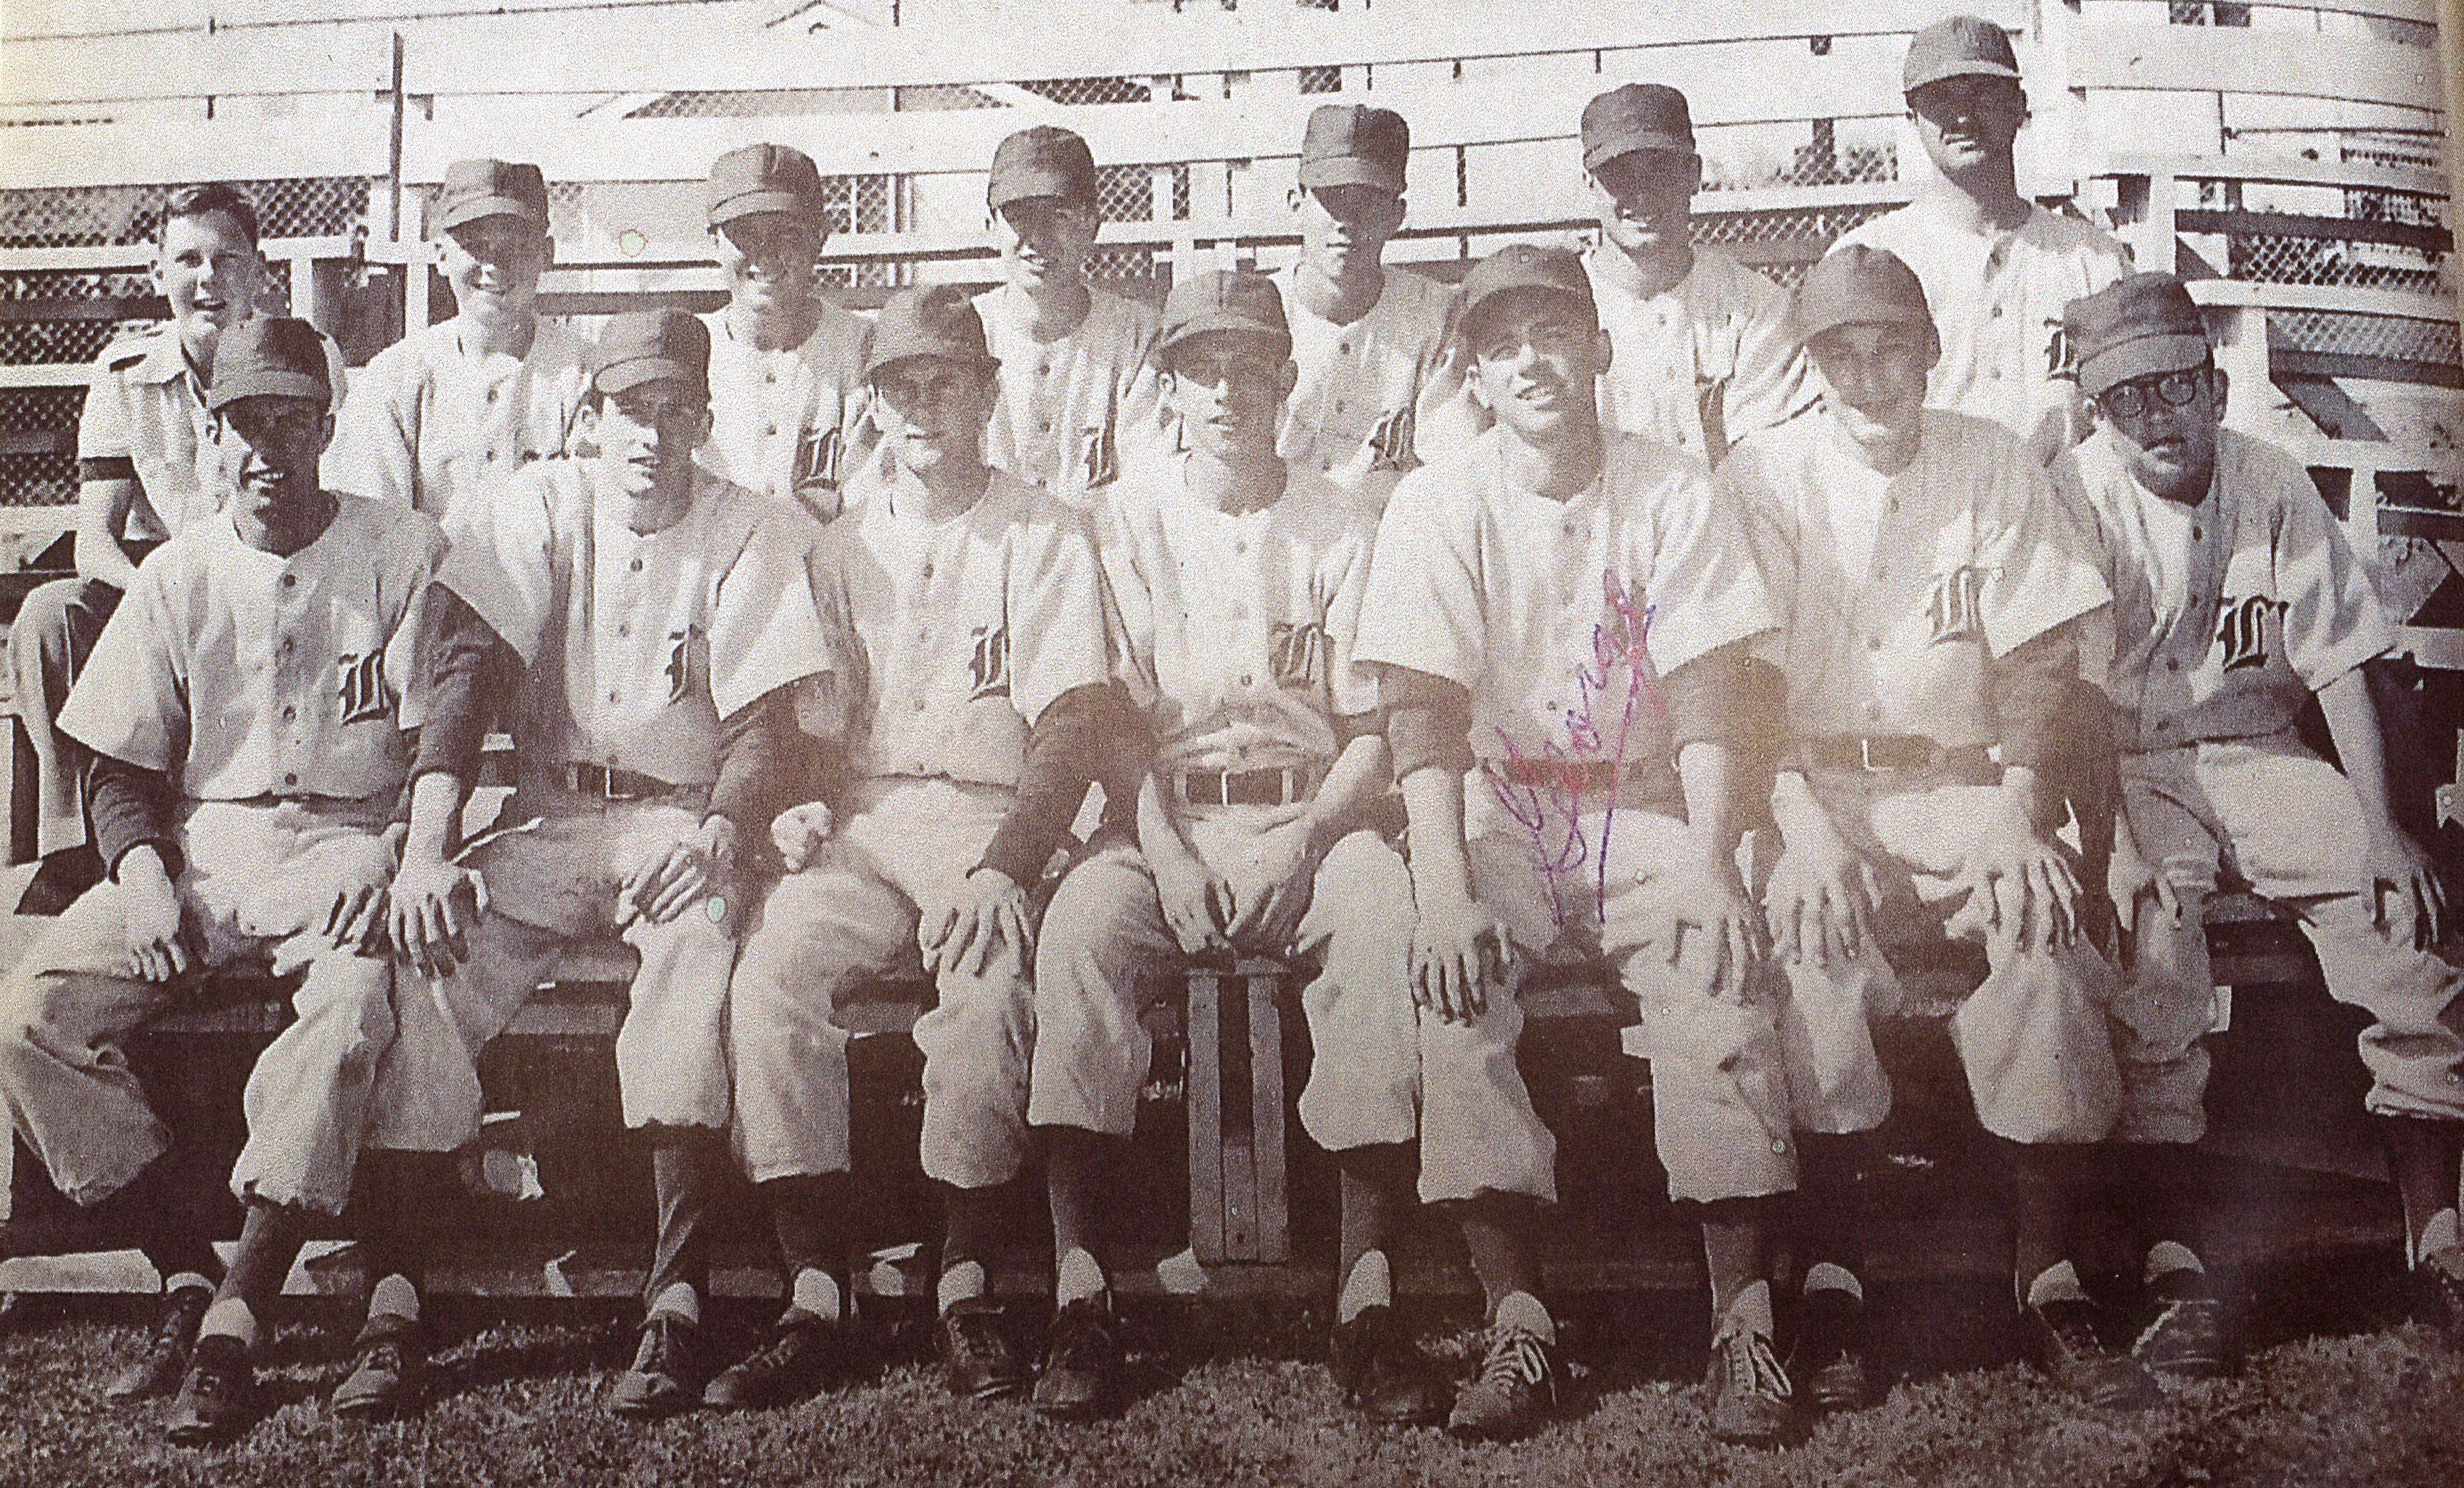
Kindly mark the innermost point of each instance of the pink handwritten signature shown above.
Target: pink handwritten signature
(1555, 791)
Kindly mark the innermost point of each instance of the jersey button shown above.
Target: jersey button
(770, 430)
(2172, 664)
(2196, 533)
(291, 780)
(291, 581)
(288, 715)
(612, 697)
(1043, 369)
(636, 565)
(624, 630)
(1873, 643)
(1344, 347)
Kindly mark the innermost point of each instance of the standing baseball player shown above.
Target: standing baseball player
(787, 367)
(2236, 599)
(247, 765)
(970, 663)
(1239, 585)
(1076, 392)
(1559, 619)
(463, 404)
(1932, 591)
(1997, 269)
(1380, 383)
(661, 617)
(144, 467)
(1703, 353)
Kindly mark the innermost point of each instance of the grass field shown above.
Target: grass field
(2335, 1392)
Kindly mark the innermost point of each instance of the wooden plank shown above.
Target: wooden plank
(1273, 1225)
(1204, 1093)
(2350, 230)
(2209, 59)
(2283, 170)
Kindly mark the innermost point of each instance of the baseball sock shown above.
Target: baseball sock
(1369, 1283)
(1076, 1162)
(1077, 1279)
(684, 1165)
(2056, 1282)
(393, 1296)
(231, 1318)
(807, 1213)
(1377, 1192)
(1831, 1196)
(2159, 1181)
(269, 1243)
(2042, 1178)
(1497, 1230)
(1736, 1251)
(2423, 1153)
(393, 1197)
(162, 1210)
(971, 1220)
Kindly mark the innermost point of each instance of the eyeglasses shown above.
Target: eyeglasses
(2129, 400)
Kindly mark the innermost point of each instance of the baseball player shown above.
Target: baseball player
(1559, 618)
(249, 761)
(144, 458)
(464, 404)
(1379, 386)
(970, 662)
(2236, 597)
(1239, 584)
(1075, 387)
(787, 367)
(661, 617)
(1930, 589)
(1703, 354)
(1997, 269)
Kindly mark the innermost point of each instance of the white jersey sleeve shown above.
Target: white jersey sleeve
(502, 556)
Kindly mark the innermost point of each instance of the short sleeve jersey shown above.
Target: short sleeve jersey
(950, 639)
(637, 645)
(241, 673)
(431, 417)
(1240, 624)
(1997, 301)
(788, 423)
(1897, 594)
(1070, 409)
(1561, 617)
(145, 419)
(1702, 363)
(1354, 418)
(2228, 614)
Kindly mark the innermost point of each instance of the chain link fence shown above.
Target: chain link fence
(2437, 344)
(72, 314)
(1127, 193)
(2284, 258)
(120, 216)
(38, 445)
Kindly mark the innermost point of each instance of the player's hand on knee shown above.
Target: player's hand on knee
(1197, 904)
(799, 833)
(434, 904)
(162, 943)
(1460, 956)
(988, 916)
(2021, 886)
(689, 872)
(1706, 914)
(1819, 904)
(1267, 913)
(2406, 896)
(356, 920)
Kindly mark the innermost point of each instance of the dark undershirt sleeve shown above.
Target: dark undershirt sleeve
(765, 763)
(463, 656)
(1720, 697)
(1428, 721)
(132, 807)
(1072, 746)
(2031, 682)
(108, 467)
(1353, 726)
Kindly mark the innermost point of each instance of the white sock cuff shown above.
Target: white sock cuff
(182, 1280)
(1522, 1310)
(817, 1292)
(1079, 1277)
(962, 1282)
(2170, 1256)
(2443, 1231)
(1371, 1285)
(1825, 1275)
(2056, 1282)
(394, 1297)
(231, 1318)
(1750, 1311)
(680, 1301)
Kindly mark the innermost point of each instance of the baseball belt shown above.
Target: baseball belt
(1884, 753)
(1279, 786)
(1574, 777)
(614, 784)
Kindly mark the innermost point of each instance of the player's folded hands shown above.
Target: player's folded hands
(160, 938)
(2130, 878)
(1268, 909)
(434, 904)
(691, 871)
(987, 917)
(1820, 900)
(1701, 917)
(1460, 955)
(1197, 902)
(799, 833)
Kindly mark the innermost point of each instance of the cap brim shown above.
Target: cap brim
(610, 381)
(266, 385)
(754, 203)
(1959, 67)
(879, 364)
(1491, 298)
(1832, 318)
(1345, 170)
(1214, 321)
(1629, 141)
(2141, 357)
(1032, 184)
(461, 213)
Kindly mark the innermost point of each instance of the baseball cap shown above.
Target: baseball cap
(1638, 115)
(1528, 267)
(1350, 144)
(1858, 285)
(2135, 326)
(476, 188)
(938, 321)
(1958, 46)
(1240, 302)
(645, 346)
(268, 355)
(764, 178)
(1045, 160)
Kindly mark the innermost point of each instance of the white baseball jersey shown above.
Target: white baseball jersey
(1700, 364)
(2228, 614)
(1560, 617)
(243, 674)
(1897, 592)
(430, 415)
(1068, 407)
(145, 419)
(1240, 624)
(637, 645)
(1366, 388)
(950, 639)
(786, 423)
(1997, 301)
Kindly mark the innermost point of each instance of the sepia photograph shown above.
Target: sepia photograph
(1247, 742)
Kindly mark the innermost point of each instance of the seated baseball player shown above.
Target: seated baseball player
(970, 663)
(1239, 583)
(787, 367)
(464, 404)
(145, 469)
(248, 767)
(1558, 618)
(640, 624)
(1076, 394)
(1930, 592)
(2236, 597)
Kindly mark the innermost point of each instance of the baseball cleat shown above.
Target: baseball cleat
(1751, 1401)
(662, 1380)
(388, 1372)
(215, 1396)
(976, 1354)
(1828, 1359)
(2064, 1341)
(802, 1353)
(1515, 1391)
(1081, 1365)
(158, 1369)
(1381, 1374)
(2439, 1295)
(2186, 1338)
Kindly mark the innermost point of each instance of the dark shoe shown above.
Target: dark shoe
(802, 1353)
(1081, 1364)
(1828, 1359)
(2439, 1295)
(2186, 1339)
(1752, 1402)
(1381, 1374)
(389, 1374)
(157, 1370)
(976, 1354)
(2063, 1339)
(1515, 1392)
(215, 1396)
(663, 1379)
